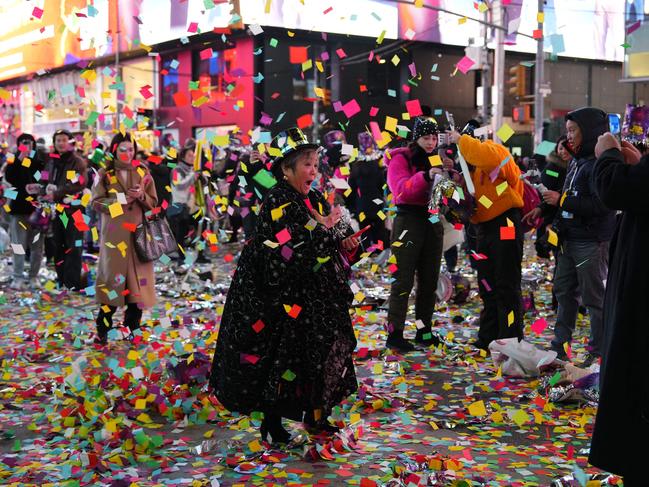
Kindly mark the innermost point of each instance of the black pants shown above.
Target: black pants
(499, 279)
(132, 318)
(68, 246)
(180, 222)
(450, 256)
(420, 255)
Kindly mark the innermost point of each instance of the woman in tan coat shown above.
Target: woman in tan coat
(123, 192)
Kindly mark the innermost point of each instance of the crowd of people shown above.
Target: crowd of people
(307, 212)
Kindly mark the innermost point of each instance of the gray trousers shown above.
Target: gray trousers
(21, 233)
(419, 254)
(581, 269)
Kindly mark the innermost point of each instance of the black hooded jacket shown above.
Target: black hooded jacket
(19, 176)
(582, 215)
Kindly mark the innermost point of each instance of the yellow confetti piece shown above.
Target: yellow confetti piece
(26, 162)
(540, 17)
(381, 215)
(391, 124)
(500, 189)
(133, 355)
(520, 417)
(435, 160)
(483, 7)
(140, 404)
(484, 201)
(462, 20)
(115, 210)
(505, 132)
(553, 238)
(477, 409)
(71, 175)
(510, 318)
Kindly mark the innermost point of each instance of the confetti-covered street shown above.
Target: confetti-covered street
(74, 415)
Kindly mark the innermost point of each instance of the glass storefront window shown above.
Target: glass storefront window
(169, 81)
(213, 73)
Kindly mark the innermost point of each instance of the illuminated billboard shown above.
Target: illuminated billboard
(371, 18)
(636, 61)
(592, 29)
(43, 34)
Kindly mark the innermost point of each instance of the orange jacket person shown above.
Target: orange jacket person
(499, 197)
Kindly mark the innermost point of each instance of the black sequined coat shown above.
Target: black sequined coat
(286, 340)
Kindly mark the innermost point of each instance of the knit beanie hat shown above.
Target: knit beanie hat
(424, 126)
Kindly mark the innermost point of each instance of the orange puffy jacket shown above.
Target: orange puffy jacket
(496, 178)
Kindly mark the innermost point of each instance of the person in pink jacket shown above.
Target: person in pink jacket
(417, 236)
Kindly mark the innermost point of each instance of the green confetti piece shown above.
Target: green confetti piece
(273, 42)
(555, 378)
(554, 174)
(265, 178)
(288, 375)
(92, 118)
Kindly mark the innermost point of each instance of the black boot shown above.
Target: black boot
(396, 341)
(320, 426)
(425, 336)
(272, 424)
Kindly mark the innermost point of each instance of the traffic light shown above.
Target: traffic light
(517, 82)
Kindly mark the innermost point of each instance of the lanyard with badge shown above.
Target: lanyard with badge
(570, 191)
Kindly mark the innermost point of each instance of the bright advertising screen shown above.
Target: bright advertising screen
(371, 18)
(48, 33)
(591, 29)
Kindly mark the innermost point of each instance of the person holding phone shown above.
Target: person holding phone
(585, 228)
(124, 192)
(417, 237)
(621, 178)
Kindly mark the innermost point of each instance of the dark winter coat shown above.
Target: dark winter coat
(57, 173)
(367, 180)
(591, 221)
(553, 177)
(619, 443)
(19, 177)
(286, 339)
(161, 174)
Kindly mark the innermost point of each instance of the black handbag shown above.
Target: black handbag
(153, 238)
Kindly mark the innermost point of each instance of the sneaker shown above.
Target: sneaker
(589, 360)
(17, 284)
(397, 342)
(34, 283)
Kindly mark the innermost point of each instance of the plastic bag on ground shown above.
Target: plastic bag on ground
(519, 359)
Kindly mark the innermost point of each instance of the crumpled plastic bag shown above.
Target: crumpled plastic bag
(519, 359)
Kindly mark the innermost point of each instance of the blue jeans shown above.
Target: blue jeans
(581, 269)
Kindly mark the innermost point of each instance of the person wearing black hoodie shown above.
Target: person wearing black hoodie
(585, 227)
(67, 177)
(21, 175)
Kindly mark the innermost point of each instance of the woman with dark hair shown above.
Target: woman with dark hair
(286, 340)
(124, 192)
(417, 237)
